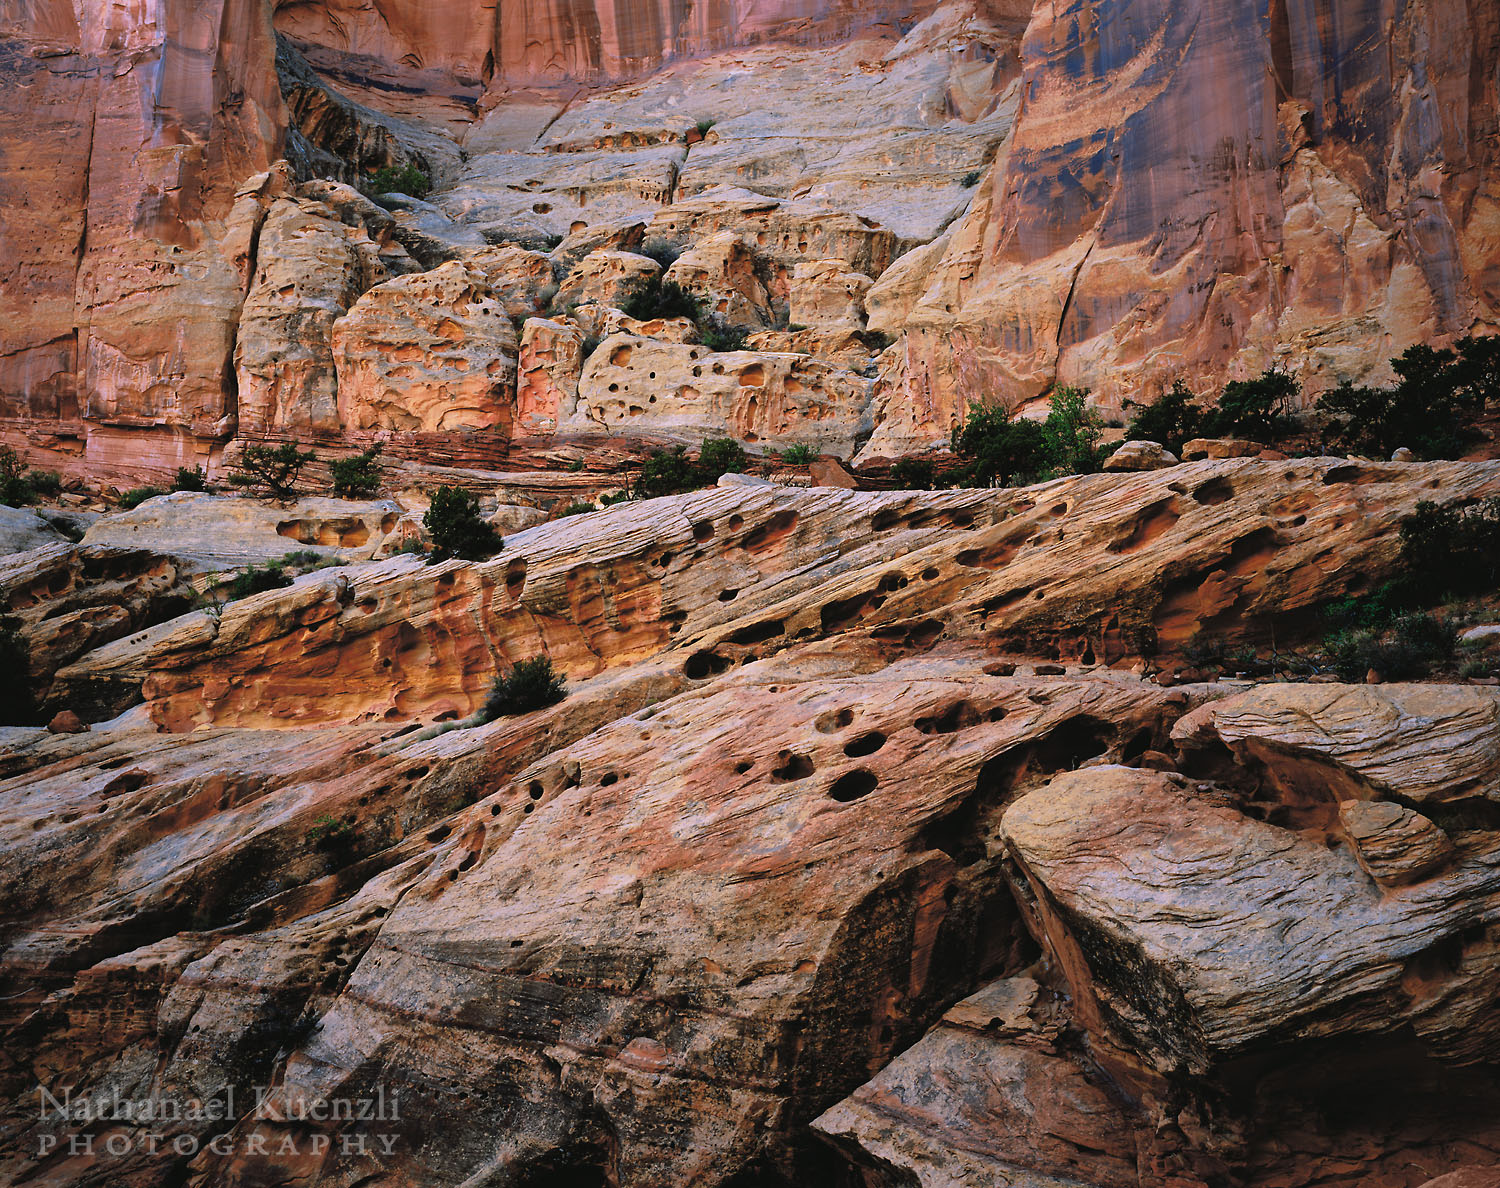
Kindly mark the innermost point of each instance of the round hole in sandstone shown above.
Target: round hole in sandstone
(528, 808)
(852, 785)
(728, 595)
(494, 810)
(792, 767)
(703, 531)
(438, 834)
(542, 207)
(702, 665)
(607, 779)
(865, 744)
(929, 574)
(534, 790)
(736, 523)
(833, 721)
(515, 578)
(743, 766)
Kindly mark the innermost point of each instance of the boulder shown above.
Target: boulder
(1394, 844)
(828, 293)
(22, 529)
(608, 277)
(633, 383)
(551, 361)
(430, 353)
(522, 281)
(1140, 455)
(722, 272)
(1220, 447)
(66, 722)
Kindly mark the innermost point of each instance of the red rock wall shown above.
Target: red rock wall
(1202, 187)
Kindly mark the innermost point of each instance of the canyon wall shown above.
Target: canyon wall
(1079, 192)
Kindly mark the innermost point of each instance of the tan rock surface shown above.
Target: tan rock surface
(429, 353)
(610, 278)
(828, 293)
(690, 392)
(722, 272)
(1395, 845)
(550, 363)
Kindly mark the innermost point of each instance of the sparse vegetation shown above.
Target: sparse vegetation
(271, 470)
(662, 299)
(576, 509)
(1172, 420)
(719, 456)
(1452, 550)
(20, 486)
(136, 496)
(703, 127)
(664, 252)
(1400, 648)
(719, 336)
(666, 472)
(914, 474)
(404, 179)
(972, 179)
(1071, 433)
(800, 454)
(1259, 409)
(357, 476)
(190, 480)
(331, 834)
(528, 686)
(46, 483)
(1001, 449)
(257, 579)
(457, 529)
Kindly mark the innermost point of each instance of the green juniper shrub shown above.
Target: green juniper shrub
(15, 485)
(875, 340)
(1411, 645)
(304, 559)
(272, 470)
(1072, 431)
(1453, 549)
(576, 509)
(529, 685)
(576, 465)
(410, 546)
(591, 343)
(663, 251)
(404, 179)
(16, 705)
(718, 456)
(666, 472)
(720, 337)
(1173, 419)
(138, 495)
(46, 483)
(795, 327)
(999, 448)
(457, 529)
(258, 579)
(1420, 413)
(357, 475)
(331, 835)
(800, 454)
(1259, 409)
(1476, 374)
(190, 480)
(611, 500)
(703, 127)
(550, 243)
(971, 179)
(914, 474)
(661, 299)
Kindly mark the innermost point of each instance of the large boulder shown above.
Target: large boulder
(608, 277)
(828, 293)
(430, 353)
(722, 271)
(550, 363)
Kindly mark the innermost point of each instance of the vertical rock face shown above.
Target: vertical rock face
(128, 132)
(1200, 186)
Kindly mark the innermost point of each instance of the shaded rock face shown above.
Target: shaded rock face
(1284, 165)
(822, 870)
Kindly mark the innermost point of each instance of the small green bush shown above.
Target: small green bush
(576, 509)
(800, 454)
(1172, 420)
(875, 340)
(15, 486)
(795, 327)
(44, 482)
(666, 472)
(138, 495)
(720, 337)
(530, 685)
(405, 179)
(662, 299)
(914, 474)
(972, 179)
(663, 251)
(331, 835)
(457, 529)
(703, 127)
(190, 480)
(1071, 433)
(1259, 409)
(273, 471)
(721, 455)
(999, 448)
(1410, 646)
(258, 579)
(357, 476)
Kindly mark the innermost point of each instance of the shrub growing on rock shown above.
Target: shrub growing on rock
(331, 835)
(1453, 550)
(530, 685)
(662, 299)
(800, 454)
(1172, 420)
(357, 476)
(666, 472)
(138, 495)
(914, 474)
(720, 337)
(190, 480)
(405, 179)
(1259, 409)
(257, 579)
(16, 705)
(998, 447)
(15, 486)
(457, 529)
(1426, 412)
(719, 456)
(271, 470)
